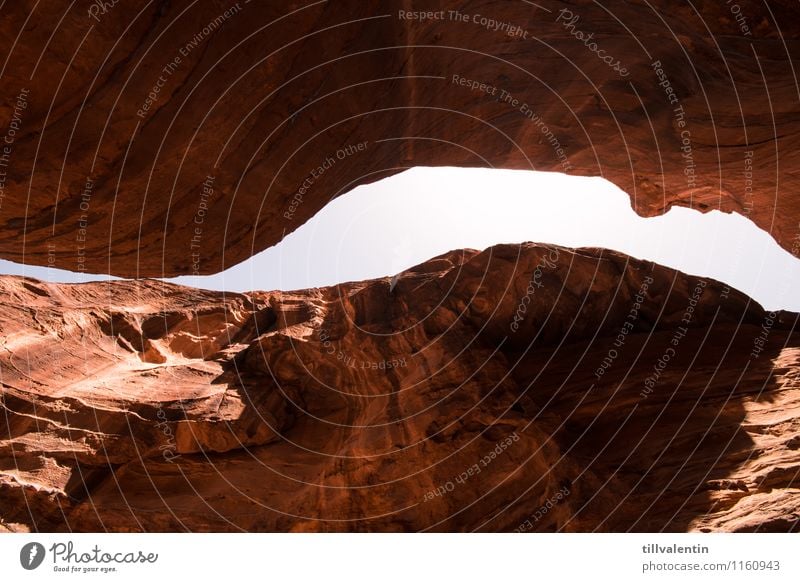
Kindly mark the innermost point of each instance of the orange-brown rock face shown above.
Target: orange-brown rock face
(526, 388)
(170, 139)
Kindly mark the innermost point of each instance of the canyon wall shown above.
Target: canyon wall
(523, 388)
(176, 138)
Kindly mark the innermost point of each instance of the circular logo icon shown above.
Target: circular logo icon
(31, 555)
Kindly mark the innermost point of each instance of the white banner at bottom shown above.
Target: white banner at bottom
(389, 557)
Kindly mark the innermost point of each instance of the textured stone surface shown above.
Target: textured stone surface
(260, 99)
(468, 398)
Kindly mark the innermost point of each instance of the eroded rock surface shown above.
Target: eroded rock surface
(526, 387)
(135, 126)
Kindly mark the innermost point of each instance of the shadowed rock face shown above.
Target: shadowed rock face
(168, 140)
(526, 387)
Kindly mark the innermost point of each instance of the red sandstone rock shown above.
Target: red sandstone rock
(262, 97)
(444, 405)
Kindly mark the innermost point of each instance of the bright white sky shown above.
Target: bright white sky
(383, 228)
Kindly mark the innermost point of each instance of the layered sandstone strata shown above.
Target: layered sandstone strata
(167, 139)
(523, 388)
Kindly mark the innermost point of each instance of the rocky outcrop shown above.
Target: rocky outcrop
(523, 388)
(167, 139)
